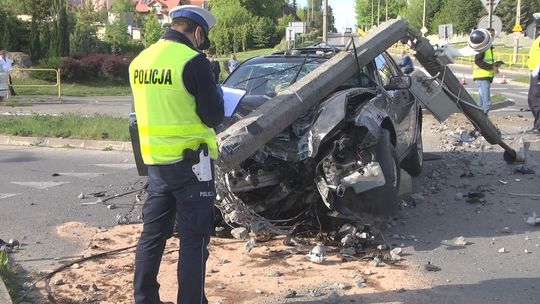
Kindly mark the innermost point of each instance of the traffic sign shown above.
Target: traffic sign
(517, 28)
(446, 31)
(494, 3)
(496, 23)
(424, 30)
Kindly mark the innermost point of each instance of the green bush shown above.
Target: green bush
(48, 63)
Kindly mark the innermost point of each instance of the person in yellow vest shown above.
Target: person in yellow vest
(483, 72)
(534, 88)
(177, 105)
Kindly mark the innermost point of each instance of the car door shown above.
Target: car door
(401, 106)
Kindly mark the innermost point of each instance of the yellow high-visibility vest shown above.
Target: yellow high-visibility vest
(534, 54)
(166, 112)
(481, 73)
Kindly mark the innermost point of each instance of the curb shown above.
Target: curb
(104, 145)
(4, 294)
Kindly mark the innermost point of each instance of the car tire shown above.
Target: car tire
(414, 162)
(383, 200)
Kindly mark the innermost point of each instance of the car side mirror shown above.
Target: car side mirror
(399, 83)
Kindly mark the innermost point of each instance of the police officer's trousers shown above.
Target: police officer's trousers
(534, 101)
(174, 191)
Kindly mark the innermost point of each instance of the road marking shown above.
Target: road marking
(119, 166)
(83, 175)
(6, 195)
(40, 185)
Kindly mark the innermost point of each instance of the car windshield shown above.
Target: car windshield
(270, 78)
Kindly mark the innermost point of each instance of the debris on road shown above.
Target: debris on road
(522, 169)
(122, 219)
(250, 244)
(317, 254)
(10, 245)
(240, 233)
(395, 254)
(460, 241)
(290, 294)
(533, 220)
(502, 250)
(430, 267)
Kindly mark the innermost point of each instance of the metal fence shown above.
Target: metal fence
(508, 58)
(58, 83)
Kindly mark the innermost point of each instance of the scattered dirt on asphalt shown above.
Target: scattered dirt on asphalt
(233, 275)
(266, 273)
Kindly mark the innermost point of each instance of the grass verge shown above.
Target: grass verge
(97, 127)
(99, 87)
(8, 274)
(522, 79)
(495, 98)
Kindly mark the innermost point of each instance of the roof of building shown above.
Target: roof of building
(143, 6)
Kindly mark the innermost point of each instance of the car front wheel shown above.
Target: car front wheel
(414, 162)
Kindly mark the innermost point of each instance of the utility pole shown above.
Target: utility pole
(490, 12)
(312, 11)
(372, 11)
(324, 21)
(424, 30)
(386, 2)
(378, 12)
(517, 34)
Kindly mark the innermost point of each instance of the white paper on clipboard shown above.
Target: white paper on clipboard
(231, 98)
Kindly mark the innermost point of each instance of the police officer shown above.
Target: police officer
(483, 72)
(534, 89)
(177, 105)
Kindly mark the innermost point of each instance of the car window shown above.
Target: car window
(270, 78)
(360, 80)
(385, 69)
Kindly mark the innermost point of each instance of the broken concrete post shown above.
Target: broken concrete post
(241, 140)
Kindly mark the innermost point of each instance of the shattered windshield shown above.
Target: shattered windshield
(270, 78)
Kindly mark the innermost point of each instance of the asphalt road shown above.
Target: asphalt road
(515, 91)
(39, 191)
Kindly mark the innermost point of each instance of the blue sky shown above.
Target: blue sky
(343, 12)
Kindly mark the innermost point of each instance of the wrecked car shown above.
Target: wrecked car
(345, 153)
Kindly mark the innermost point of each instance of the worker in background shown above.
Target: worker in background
(7, 65)
(406, 63)
(534, 89)
(215, 67)
(483, 72)
(177, 105)
(233, 63)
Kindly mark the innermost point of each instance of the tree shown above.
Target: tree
(62, 37)
(263, 8)
(463, 14)
(365, 15)
(153, 30)
(230, 32)
(122, 6)
(84, 38)
(264, 32)
(413, 13)
(7, 39)
(506, 10)
(116, 31)
(35, 44)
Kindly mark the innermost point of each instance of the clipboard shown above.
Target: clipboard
(231, 99)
